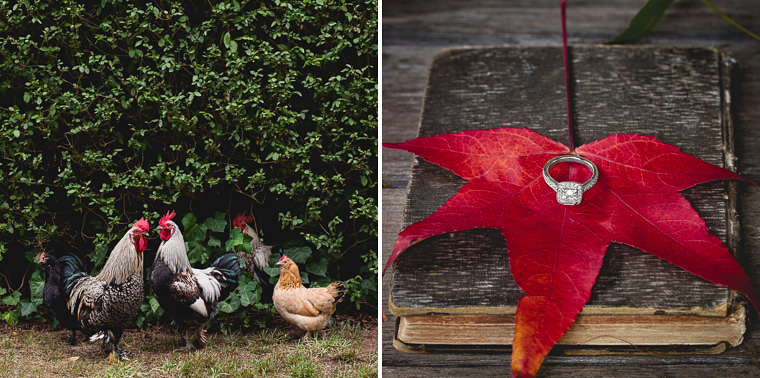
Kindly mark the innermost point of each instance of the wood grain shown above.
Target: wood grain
(414, 30)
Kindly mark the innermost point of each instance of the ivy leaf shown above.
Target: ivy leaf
(317, 268)
(556, 251)
(645, 19)
(189, 220)
(217, 223)
(196, 233)
(230, 305)
(28, 308)
(298, 254)
(236, 242)
(36, 284)
(12, 299)
(154, 305)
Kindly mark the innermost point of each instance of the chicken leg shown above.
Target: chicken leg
(188, 345)
(73, 337)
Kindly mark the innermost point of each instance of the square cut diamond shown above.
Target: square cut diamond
(569, 193)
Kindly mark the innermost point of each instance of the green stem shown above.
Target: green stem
(731, 21)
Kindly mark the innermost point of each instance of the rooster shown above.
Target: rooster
(308, 309)
(108, 301)
(258, 259)
(54, 291)
(190, 296)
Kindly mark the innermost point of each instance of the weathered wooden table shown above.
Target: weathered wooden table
(413, 30)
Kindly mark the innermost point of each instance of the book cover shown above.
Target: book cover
(456, 289)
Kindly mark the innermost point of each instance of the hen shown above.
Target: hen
(308, 309)
(108, 301)
(258, 259)
(190, 296)
(54, 291)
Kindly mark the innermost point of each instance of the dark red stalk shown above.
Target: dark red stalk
(571, 143)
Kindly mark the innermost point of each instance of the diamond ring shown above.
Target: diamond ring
(570, 192)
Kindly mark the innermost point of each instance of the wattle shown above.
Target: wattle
(141, 244)
(165, 234)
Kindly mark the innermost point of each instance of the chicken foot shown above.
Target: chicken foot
(111, 346)
(202, 336)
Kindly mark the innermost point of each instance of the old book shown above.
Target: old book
(456, 290)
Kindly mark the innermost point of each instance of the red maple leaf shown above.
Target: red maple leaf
(556, 251)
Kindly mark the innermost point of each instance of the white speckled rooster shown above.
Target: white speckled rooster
(190, 296)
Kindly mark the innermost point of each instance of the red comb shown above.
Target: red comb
(166, 218)
(282, 258)
(42, 256)
(242, 218)
(142, 224)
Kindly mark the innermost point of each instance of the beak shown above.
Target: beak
(280, 263)
(159, 227)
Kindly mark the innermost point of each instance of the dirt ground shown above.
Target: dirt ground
(346, 348)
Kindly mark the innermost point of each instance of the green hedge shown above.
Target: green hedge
(112, 110)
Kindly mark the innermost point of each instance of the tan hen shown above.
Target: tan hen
(308, 309)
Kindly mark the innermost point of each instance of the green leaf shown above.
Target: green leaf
(231, 304)
(11, 317)
(272, 271)
(197, 253)
(36, 284)
(154, 305)
(235, 240)
(3, 291)
(13, 299)
(226, 39)
(196, 233)
(189, 220)
(217, 223)
(214, 242)
(317, 268)
(298, 254)
(28, 308)
(646, 19)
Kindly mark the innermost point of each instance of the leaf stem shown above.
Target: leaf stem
(731, 20)
(571, 144)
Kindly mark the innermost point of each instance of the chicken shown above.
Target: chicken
(308, 309)
(190, 296)
(108, 301)
(258, 259)
(54, 291)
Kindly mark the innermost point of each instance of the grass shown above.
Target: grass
(345, 349)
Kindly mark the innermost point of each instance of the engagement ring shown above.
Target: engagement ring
(570, 192)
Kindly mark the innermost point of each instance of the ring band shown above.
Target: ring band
(570, 192)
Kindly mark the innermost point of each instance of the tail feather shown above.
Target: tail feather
(337, 290)
(73, 272)
(229, 266)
